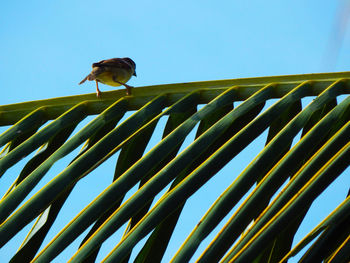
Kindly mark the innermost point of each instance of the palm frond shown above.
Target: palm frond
(259, 213)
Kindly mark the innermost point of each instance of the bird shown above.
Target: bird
(113, 72)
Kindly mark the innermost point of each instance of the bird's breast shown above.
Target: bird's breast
(108, 77)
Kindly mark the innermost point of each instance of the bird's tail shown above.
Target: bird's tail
(88, 77)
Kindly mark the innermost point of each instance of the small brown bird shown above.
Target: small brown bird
(113, 72)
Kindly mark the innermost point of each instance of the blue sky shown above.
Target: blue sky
(47, 47)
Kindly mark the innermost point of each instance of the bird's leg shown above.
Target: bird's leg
(128, 87)
(98, 92)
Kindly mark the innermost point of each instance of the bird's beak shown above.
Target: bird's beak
(134, 74)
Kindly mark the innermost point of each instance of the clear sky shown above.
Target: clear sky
(47, 47)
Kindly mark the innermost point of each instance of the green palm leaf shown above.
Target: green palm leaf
(259, 213)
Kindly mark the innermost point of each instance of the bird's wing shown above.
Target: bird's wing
(113, 63)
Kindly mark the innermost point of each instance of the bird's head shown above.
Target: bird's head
(132, 64)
